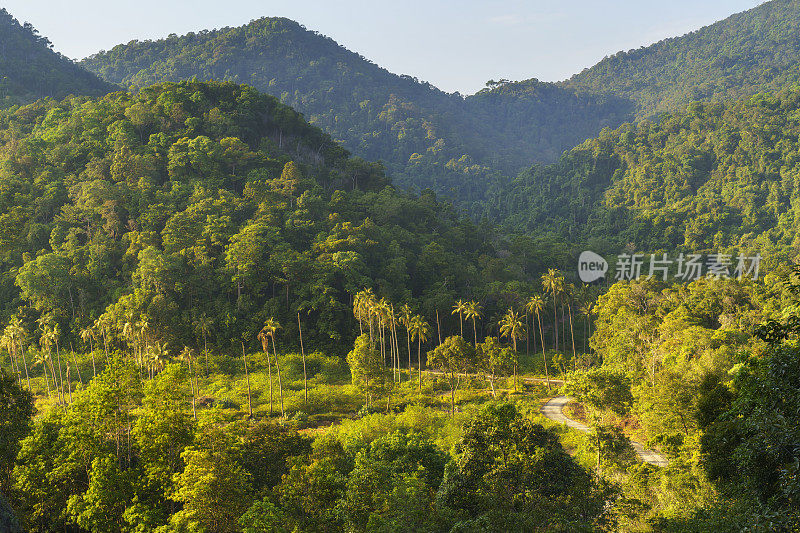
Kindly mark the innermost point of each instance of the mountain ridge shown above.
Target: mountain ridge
(30, 69)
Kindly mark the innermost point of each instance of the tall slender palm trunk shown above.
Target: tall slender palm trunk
(25, 364)
(555, 324)
(572, 337)
(60, 374)
(194, 390)
(303, 353)
(544, 356)
(247, 375)
(269, 371)
(280, 383)
(419, 363)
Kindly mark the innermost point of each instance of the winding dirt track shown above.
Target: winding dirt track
(554, 411)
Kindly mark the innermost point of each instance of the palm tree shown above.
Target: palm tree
(460, 309)
(9, 346)
(569, 293)
(87, 334)
(405, 321)
(511, 327)
(263, 336)
(55, 334)
(159, 355)
(419, 332)
(381, 312)
(363, 302)
(247, 375)
(41, 359)
(187, 354)
(47, 342)
(553, 283)
(534, 306)
(100, 325)
(586, 308)
(303, 354)
(271, 326)
(16, 334)
(472, 310)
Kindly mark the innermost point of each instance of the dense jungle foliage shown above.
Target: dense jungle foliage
(712, 177)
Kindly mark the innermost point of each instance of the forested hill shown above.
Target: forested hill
(212, 202)
(30, 69)
(426, 137)
(749, 52)
(713, 177)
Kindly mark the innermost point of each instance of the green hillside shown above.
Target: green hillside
(714, 176)
(30, 69)
(426, 137)
(749, 52)
(212, 199)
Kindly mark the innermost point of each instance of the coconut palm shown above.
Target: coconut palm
(15, 332)
(472, 310)
(100, 325)
(8, 344)
(54, 334)
(47, 342)
(511, 327)
(586, 308)
(534, 306)
(364, 303)
(187, 355)
(41, 358)
(21, 334)
(303, 355)
(553, 283)
(569, 293)
(419, 332)
(405, 320)
(271, 327)
(263, 336)
(158, 356)
(87, 335)
(460, 309)
(247, 376)
(362, 307)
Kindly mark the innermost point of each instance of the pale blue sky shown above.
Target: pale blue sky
(456, 45)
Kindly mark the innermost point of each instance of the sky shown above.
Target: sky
(455, 45)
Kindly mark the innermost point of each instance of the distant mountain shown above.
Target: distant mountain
(426, 137)
(30, 69)
(464, 146)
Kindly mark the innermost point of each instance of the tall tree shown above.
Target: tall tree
(460, 309)
(472, 310)
(271, 327)
(187, 355)
(511, 326)
(535, 305)
(419, 332)
(553, 283)
(405, 319)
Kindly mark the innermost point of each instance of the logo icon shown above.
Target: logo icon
(591, 267)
